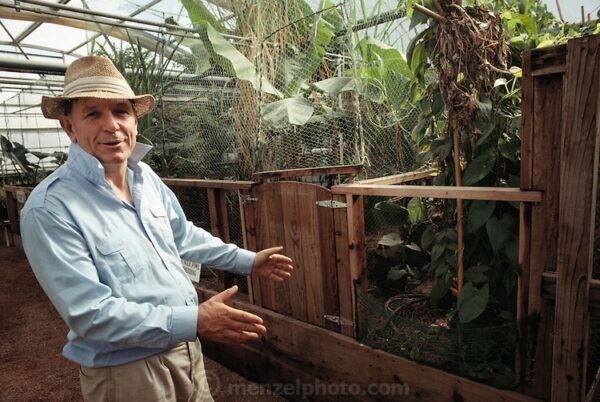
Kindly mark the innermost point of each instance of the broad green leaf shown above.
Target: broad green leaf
(286, 112)
(500, 82)
(478, 169)
(477, 274)
(414, 247)
(485, 106)
(516, 71)
(307, 63)
(437, 251)
(499, 231)
(391, 58)
(428, 236)
(201, 56)
(416, 210)
(235, 62)
(472, 302)
(478, 214)
(417, 19)
(199, 14)
(335, 86)
(397, 274)
(441, 286)
(485, 126)
(438, 103)
(390, 240)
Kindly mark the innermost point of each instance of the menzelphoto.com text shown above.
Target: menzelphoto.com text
(318, 388)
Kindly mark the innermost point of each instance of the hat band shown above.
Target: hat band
(98, 84)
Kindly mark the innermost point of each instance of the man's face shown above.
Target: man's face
(104, 128)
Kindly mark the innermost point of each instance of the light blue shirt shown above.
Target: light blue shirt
(112, 270)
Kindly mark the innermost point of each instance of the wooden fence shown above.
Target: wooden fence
(557, 196)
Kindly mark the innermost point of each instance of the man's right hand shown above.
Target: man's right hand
(218, 322)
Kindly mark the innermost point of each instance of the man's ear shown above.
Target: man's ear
(67, 125)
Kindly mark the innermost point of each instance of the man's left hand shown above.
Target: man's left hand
(268, 264)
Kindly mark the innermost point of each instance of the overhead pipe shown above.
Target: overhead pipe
(31, 66)
(108, 15)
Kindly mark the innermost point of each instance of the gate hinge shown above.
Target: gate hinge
(246, 199)
(331, 204)
(338, 320)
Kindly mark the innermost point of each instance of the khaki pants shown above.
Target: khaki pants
(176, 375)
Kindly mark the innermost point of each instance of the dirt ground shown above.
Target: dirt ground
(32, 336)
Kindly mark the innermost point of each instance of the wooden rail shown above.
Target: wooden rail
(233, 185)
(450, 192)
(313, 171)
(401, 178)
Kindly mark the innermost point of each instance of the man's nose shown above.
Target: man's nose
(110, 123)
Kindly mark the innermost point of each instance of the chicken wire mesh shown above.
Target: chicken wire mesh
(288, 114)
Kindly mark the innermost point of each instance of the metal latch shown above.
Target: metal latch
(246, 199)
(339, 320)
(331, 204)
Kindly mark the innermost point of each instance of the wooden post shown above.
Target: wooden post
(219, 226)
(345, 283)
(459, 203)
(578, 179)
(542, 87)
(357, 250)
(13, 212)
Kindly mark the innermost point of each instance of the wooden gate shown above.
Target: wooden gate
(308, 223)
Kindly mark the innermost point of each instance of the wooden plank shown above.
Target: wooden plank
(577, 203)
(451, 192)
(313, 171)
(219, 225)
(523, 291)
(293, 243)
(248, 218)
(549, 290)
(224, 184)
(545, 176)
(402, 177)
(527, 118)
(548, 60)
(345, 283)
(337, 359)
(521, 357)
(326, 242)
(313, 280)
(13, 212)
(357, 250)
(269, 232)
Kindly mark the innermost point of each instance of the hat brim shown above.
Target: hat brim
(53, 106)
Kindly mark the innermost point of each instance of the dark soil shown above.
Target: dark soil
(32, 337)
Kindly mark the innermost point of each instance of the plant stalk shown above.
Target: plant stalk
(428, 12)
(459, 204)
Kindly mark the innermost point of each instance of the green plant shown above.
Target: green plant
(480, 98)
(29, 173)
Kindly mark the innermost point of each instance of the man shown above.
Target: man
(105, 238)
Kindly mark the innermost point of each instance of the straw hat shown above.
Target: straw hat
(94, 77)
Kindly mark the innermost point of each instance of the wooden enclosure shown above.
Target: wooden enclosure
(312, 318)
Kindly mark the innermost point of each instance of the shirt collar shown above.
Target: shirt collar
(91, 168)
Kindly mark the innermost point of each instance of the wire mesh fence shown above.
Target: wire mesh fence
(290, 112)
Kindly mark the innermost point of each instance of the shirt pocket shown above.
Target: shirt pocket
(161, 221)
(117, 260)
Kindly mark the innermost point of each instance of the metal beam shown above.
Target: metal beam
(31, 66)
